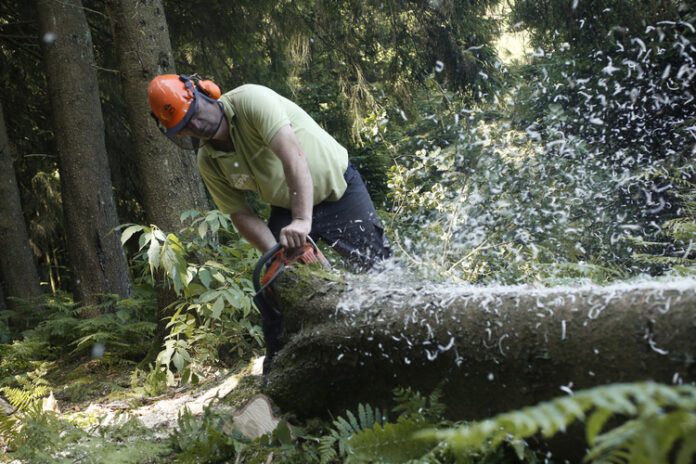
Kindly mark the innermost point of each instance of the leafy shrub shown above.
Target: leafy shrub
(208, 266)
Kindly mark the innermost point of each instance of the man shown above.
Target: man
(254, 139)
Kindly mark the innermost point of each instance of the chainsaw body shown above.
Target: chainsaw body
(275, 261)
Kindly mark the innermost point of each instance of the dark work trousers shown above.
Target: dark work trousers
(350, 226)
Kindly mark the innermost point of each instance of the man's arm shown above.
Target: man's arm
(299, 179)
(253, 229)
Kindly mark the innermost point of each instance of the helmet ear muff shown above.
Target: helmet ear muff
(208, 88)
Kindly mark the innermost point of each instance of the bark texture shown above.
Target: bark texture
(97, 260)
(20, 279)
(496, 349)
(168, 174)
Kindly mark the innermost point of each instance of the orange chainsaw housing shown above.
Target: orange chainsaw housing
(306, 254)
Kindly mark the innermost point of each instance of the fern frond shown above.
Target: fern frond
(22, 399)
(327, 451)
(688, 447)
(391, 443)
(660, 419)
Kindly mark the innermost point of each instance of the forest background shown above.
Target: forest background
(570, 163)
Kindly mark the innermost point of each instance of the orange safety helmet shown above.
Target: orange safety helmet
(174, 98)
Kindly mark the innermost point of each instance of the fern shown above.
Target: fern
(662, 420)
(389, 443)
(413, 405)
(343, 429)
(210, 438)
(30, 388)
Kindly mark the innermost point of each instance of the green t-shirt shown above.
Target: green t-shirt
(255, 114)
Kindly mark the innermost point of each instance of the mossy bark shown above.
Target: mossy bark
(495, 349)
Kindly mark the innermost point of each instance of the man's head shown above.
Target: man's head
(177, 101)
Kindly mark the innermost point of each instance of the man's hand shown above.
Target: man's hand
(294, 235)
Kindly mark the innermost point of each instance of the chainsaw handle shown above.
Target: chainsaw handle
(256, 280)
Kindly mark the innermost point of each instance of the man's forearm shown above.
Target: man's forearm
(301, 189)
(299, 180)
(254, 230)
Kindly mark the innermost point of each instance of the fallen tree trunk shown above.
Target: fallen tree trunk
(495, 348)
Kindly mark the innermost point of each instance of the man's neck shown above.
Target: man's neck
(223, 140)
(222, 145)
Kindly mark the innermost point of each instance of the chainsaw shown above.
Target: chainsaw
(275, 261)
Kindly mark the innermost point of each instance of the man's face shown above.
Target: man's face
(205, 122)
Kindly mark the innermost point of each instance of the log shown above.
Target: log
(354, 340)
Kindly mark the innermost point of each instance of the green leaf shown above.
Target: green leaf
(210, 295)
(153, 254)
(218, 307)
(178, 361)
(159, 235)
(144, 239)
(128, 233)
(595, 423)
(205, 277)
(284, 433)
(202, 229)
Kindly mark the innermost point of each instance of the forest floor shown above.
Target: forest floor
(95, 397)
(101, 395)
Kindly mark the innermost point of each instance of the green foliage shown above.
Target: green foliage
(120, 331)
(335, 443)
(564, 175)
(675, 250)
(364, 438)
(656, 421)
(42, 436)
(580, 23)
(29, 389)
(208, 266)
(19, 357)
(154, 382)
(413, 405)
(210, 438)
(389, 443)
(392, 442)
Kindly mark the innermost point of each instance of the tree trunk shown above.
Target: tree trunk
(98, 262)
(20, 278)
(168, 174)
(495, 349)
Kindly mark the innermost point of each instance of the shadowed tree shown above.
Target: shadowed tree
(98, 262)
(20, 278)
(168, 174)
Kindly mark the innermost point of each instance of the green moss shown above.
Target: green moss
(248, 387)
(299, 281)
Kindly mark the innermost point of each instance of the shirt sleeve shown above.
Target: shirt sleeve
(264, 109)
(228, 199)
